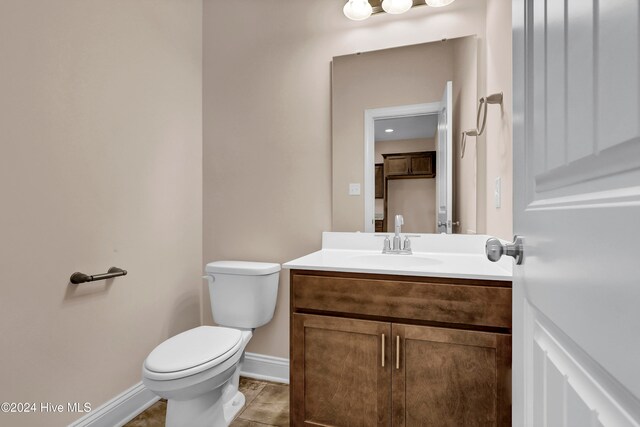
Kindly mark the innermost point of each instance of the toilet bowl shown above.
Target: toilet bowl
(198, 371)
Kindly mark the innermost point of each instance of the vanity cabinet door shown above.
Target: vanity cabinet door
(449, 377)
(337, 372)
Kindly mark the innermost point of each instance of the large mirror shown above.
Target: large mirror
(397, 117)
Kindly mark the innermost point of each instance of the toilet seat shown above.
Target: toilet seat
(192, 352)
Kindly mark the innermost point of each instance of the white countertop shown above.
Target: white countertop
(434, 255)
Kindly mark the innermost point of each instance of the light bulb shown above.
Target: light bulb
(357, 10)
(396, 6)
(439, 3)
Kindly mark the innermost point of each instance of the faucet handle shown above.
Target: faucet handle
(386, 245)
(406, 246)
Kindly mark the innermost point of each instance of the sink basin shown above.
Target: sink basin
(394, 261)
(460, 256)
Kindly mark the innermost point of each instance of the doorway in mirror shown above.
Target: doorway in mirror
(404, 147)
(408, 160)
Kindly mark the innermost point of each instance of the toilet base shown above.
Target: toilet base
(233, 407)
(215, 408)
(208, 410)
(209, 399)
(204, 411)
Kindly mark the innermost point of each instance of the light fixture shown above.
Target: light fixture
(439, 3)
(357, 10)
(395, 7)
(388, 130)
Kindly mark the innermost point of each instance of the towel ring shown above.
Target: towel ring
(495, 98)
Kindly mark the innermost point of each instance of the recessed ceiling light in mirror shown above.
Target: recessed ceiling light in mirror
(404, 128)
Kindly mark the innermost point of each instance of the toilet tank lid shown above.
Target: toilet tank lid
(245, 268)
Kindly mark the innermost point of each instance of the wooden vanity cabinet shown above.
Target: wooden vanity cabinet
(379, 350)
(339, 378)
(449, 377)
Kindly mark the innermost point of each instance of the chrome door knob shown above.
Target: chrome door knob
(495, 249)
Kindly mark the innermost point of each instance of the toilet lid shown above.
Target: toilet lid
(192, 348)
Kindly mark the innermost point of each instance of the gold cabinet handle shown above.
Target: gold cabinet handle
(383, 350)
(397, 351)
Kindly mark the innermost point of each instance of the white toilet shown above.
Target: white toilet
(198, 370)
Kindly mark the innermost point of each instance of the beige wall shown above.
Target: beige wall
(100, 165)
(465, 98)
(415, 199)
(267, 123)
(499, 158)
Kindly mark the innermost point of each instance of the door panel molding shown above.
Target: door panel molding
(615, 160)
(573, 387)
(613, 198)
(582, 72)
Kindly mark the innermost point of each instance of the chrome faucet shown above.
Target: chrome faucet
(398, 228)
(399, 247)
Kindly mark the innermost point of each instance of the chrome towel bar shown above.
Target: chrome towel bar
(77, 277)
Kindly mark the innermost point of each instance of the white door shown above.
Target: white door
(444, 162)
(577, 204)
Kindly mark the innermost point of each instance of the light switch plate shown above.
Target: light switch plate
(354, 189)
(497, 195)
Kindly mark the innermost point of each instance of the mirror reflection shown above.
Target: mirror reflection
(397, 116)
(405, 171)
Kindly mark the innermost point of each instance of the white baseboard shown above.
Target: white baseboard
(267, 368)
(119, 410)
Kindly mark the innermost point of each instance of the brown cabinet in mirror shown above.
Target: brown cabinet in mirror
(410, 165)
(413, 165)
(379, 185)
(381, 350)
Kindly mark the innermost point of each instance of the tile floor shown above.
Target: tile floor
(267, 406)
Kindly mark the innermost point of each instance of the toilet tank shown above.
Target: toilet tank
(243, 293)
